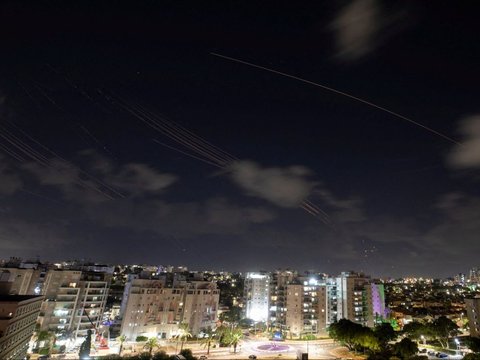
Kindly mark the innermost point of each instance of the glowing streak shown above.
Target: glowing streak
(153, 123)
(316, 207)
(44, 161)
(185, 153)
(205, 152)
(339, 93)
(194, 137)
(69, 164)
(213, 154)
(12, 153)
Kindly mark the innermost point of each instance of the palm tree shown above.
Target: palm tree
(234, 337)
(48, 337)
(208, 338)
(121, 339)
(151, 344)
(183, 334)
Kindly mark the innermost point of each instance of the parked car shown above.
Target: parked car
(252, 357)
(203, 357)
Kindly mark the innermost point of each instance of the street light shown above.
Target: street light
(423, 339)
(458, 344)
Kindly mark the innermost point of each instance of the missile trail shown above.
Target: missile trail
(400, 116)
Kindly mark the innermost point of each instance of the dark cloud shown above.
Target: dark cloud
(342, 210)
(10, 182)
(285, 187)
(360, 27)
(100, 180)
(22, 237)
(139, 179)
(186, 219)
(467, 154)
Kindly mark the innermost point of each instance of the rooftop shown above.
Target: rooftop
(17, 298)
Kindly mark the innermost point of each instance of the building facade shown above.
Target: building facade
(18, 316)
(257, 296)
(74, 302)
(306, 305)
(473, 314)
(154, 310)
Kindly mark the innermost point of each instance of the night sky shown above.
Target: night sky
(123, 139)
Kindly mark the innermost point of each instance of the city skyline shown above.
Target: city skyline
(125, 139)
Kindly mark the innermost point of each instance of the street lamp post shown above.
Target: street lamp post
(457, 342)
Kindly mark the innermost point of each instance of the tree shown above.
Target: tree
(472, 357)
(48, 337)
(187, 354)
(160, 355)
(142, 356)
(208, 339)
(183, 334)
(406, 348)
(111, 357)
(443, 328)
(232, 316)
(233, 338)
(365, 339)
(473, 344)
(84, 352)
(384, 333)
(221, 334)
(121, 339)
(416, 330)
(151, 344)
(346, 332)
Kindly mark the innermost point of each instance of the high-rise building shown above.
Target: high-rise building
(301, 305)
(307, 307)
(18, 315)
(473, 314)
(374, 304)
(74, 302)
(23, 281)
(257, 295)
(474, 275)
(359, 299)
(294, 309)
(280, 279)
(152, 309)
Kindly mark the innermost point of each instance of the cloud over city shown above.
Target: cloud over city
(282, 186)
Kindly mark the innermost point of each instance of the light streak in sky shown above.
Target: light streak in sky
(202, 149)
(338, 92)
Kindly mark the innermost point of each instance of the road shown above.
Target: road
(317, 350)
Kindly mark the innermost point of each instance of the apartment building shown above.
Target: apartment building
(152, 309)
(473, 314)
(18, 315)
(257, 296)
(74, 302)
(309, 304)
(374, 304)
(278, 292)
(360, 299)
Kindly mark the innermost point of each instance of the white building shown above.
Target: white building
(74, 301)
(151, 309)
(257, 295)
